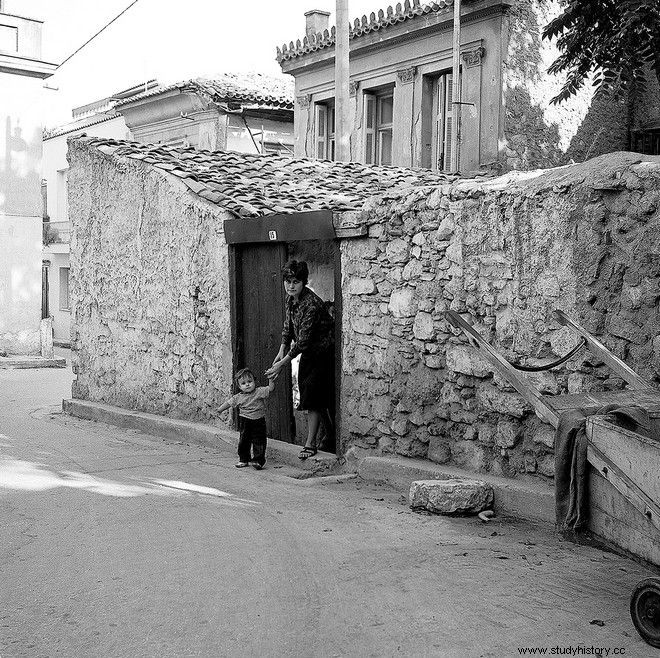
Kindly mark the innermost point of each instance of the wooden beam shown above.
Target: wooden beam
(311, 225)
(351, 231)
(543, 410)
(598, 349)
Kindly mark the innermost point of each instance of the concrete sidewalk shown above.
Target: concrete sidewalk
(532, 501)
(22, 361)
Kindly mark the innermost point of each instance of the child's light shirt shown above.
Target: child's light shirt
(251, 405)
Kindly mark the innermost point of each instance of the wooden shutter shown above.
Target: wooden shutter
(320, 129)
(369, 129)
(447, 116)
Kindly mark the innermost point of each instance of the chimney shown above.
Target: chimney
(316, 21)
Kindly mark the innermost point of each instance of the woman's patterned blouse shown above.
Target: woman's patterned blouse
(309, 324)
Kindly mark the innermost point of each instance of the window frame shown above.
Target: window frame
(442, 121)
(64, 289)
(375, 129)
(324, 130)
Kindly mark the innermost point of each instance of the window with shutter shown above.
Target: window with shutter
(369, 129)
(441, 124)
(448, 111)
(378, 120)
(324, 127)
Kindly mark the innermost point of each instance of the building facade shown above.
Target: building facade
(250, 113)
(401, 90)
(22, 72)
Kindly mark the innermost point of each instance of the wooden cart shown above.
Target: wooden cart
(624, 466)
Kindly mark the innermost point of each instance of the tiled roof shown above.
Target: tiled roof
(251, 185)
(379, 21)
(79, 124)
(249, 88)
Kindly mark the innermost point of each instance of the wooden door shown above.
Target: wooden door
(259, 312)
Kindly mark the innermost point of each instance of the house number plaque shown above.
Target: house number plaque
(272, 235)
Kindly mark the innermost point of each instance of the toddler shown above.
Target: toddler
(251, 403)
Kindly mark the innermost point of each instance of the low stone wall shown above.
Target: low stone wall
(585, 239)
(151, 327)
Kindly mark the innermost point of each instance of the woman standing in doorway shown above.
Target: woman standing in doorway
(310, 328)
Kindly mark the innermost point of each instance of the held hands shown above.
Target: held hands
(274, 371)
(278, 362)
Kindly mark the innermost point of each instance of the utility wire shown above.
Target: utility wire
(96, 35)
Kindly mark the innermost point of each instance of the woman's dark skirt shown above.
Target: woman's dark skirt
(316, 381)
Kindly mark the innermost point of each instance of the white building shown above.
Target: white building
(250, 113)
(22, 72)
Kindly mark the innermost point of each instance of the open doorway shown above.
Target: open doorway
(258, 303)
(321, 260)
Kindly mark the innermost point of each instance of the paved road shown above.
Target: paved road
(118, 544)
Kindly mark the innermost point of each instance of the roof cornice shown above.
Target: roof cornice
(393, 26)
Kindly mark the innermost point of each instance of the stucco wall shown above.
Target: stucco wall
(20, 284)
(20, 213)
(583, 239)
(151, 300)
(385, 58)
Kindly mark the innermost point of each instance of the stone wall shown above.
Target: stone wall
(149, 269)
(584, 239)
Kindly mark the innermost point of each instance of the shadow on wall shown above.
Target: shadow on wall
(603, 130)
(531, 142)
(20, 162)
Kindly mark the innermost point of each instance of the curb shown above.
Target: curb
(532, 501)
(34, 362)
(200, 434)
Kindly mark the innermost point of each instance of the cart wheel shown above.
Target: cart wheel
(645, 610)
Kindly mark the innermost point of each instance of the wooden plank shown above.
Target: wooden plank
(262, 302)
(236, 316)
(543, 410)
(312, 225)
(613, 519)
(624, 485)
(351, 232)
(593, 401)
(338, 344)
(619, 367)
(637, 456)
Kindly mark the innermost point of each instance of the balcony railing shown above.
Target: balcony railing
(57, 233)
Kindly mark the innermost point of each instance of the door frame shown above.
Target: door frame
(279, 228)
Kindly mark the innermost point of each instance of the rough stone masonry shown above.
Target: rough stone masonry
(152, 322)
(583, 238)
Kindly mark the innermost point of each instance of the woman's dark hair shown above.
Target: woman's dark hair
(296, 269)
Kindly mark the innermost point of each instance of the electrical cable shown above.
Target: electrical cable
(96, 35)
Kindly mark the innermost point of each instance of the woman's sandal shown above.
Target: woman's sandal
(306, 453)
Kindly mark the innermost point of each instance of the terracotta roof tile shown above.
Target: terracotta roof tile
(251, 185)
(376, 21)
(255, 89)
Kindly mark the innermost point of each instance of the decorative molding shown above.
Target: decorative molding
(406, 76)
(353, 86)
(304, 100)
(473, 57)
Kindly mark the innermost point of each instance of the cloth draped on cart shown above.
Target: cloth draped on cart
(571, 500)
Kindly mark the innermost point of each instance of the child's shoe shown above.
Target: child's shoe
(241, 464)
(257, 465)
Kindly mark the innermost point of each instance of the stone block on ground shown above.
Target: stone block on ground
(455, 496)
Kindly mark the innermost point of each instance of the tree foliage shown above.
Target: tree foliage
(616, 40)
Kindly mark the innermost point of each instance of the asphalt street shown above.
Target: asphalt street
(119, 544)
